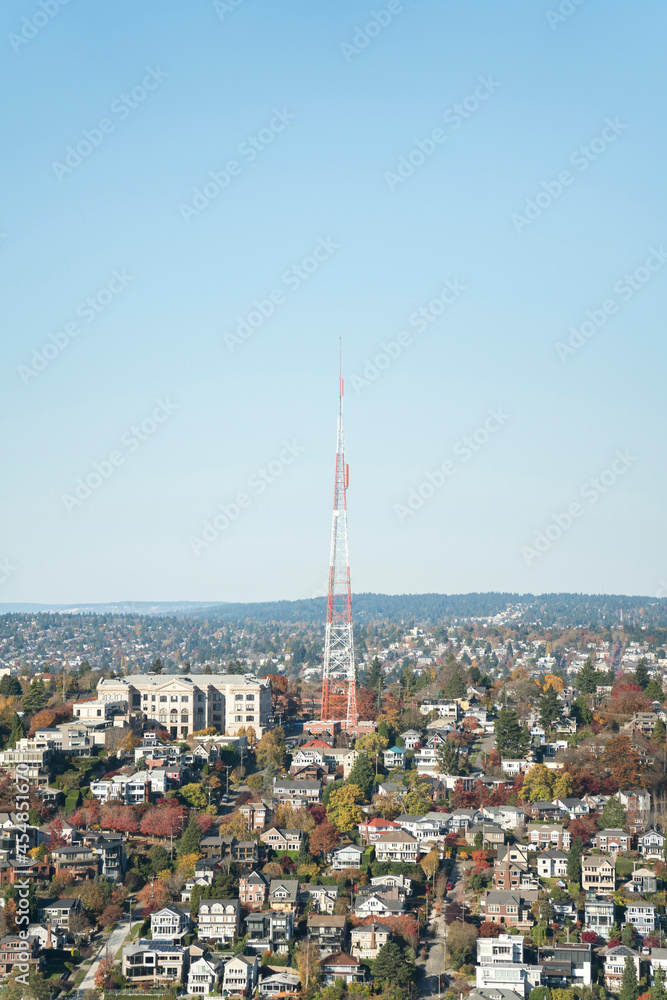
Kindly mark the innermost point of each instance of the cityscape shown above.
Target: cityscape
(402, 740)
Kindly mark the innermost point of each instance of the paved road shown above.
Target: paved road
(433, 964)
(113, 946)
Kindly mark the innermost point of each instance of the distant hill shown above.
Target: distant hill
(114, 608)
(548, 609)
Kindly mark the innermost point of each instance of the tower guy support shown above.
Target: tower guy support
(339, 690)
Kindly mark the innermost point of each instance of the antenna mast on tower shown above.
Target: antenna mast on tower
(339, 690)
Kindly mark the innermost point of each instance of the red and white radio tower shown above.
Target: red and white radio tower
(338, 678)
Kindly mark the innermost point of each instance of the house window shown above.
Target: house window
(163, 697)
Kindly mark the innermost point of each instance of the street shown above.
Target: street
(433, 964)
(112, 946)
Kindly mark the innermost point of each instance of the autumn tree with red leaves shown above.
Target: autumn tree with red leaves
(323, 839)
(153, 896)
(622, 762)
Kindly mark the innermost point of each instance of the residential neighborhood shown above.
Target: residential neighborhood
(486, 834)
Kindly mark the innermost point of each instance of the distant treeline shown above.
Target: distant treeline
(559, 610)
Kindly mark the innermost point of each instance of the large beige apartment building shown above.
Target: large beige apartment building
(186, 704)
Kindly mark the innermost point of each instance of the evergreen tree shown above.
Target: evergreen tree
(628, 936)
(392, 966)
(156, 667)
(657, 991)
(456, 687)
(17, 731)
(574, 860)
(10, 687)
(374, 679)
(653, 690)
(389, 733)
(511, 740)
(612, 816)
(588, 678)
(363, 775)
(659, 731)
(629, 985)
(551, 708)
(641, 675)
(36, 697)
(582, 712)
(189, 842)
(448, 757)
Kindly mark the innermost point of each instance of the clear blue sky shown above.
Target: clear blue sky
(315, 117)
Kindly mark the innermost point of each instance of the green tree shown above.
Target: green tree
(511, 739)
(271, 749)
(654, 690)
(659, 731)
(17, 731)
(156, 666)
(551, 708)
(641, 675)
(159, 858)
(10, 687)
(588, 678)
(582, 712)
(629, 984)
(448, 757)
(189, 842)
(612, 816)
(419, 801)
(389, 733)
(657, 991)
(456, 687)
(363, 775)
(36, 697)
(393, 966)
(628, 936)
(574, 860)
(374, 679)
(194, 795)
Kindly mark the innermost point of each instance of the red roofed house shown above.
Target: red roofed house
(342, 966)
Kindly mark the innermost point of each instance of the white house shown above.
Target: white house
(552, 864)
(240, 975)
(205, 975)
(170, 922)
(398, 846)
(651, 844)
(347, 857)
(642, 917)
